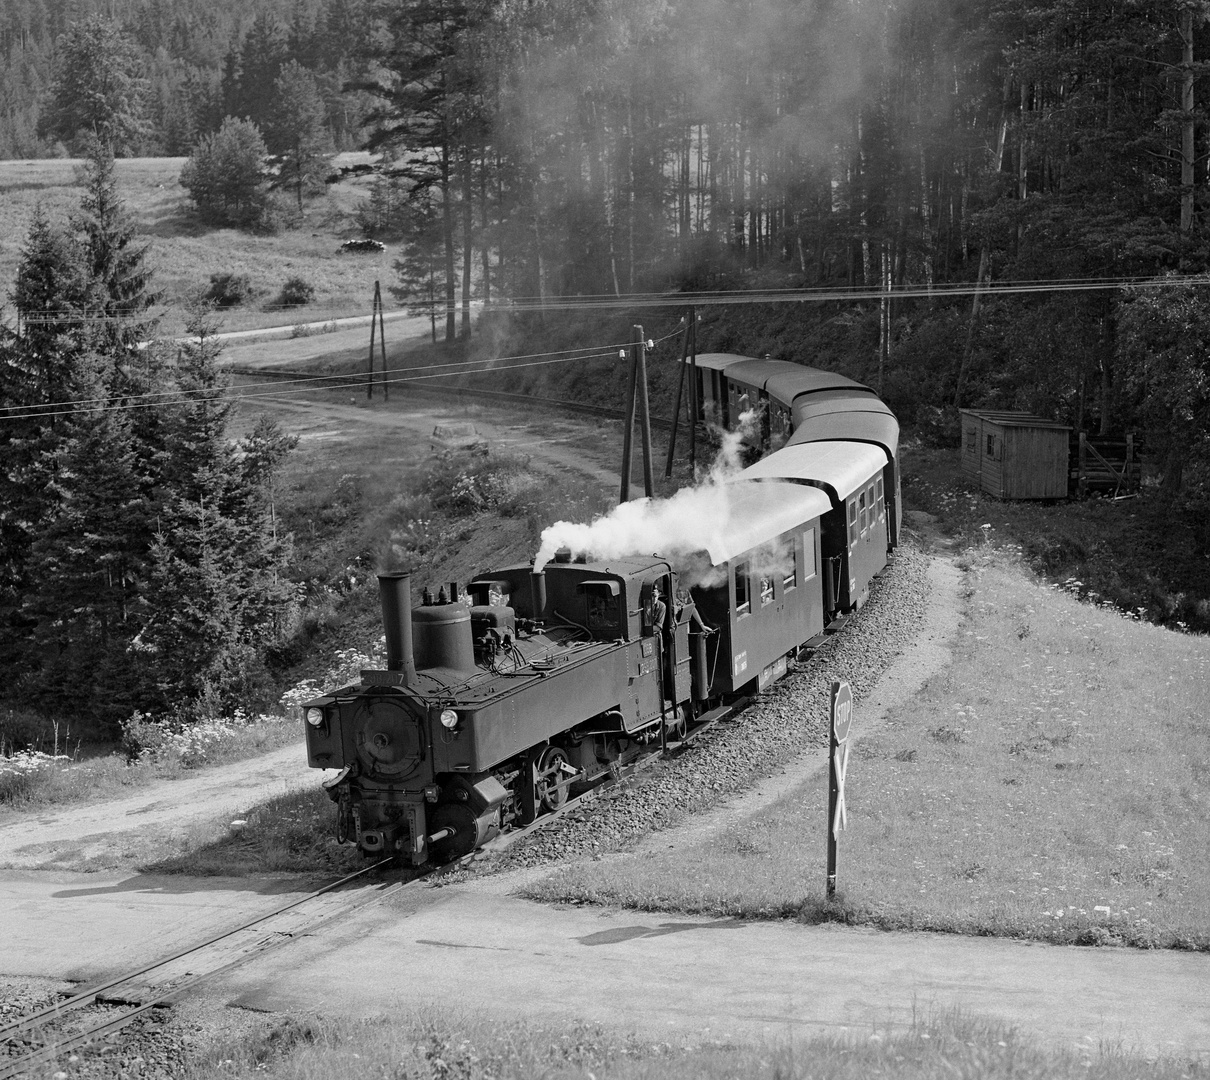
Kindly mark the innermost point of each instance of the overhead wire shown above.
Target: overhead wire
(352, 377)
(362, 378)
(641, 300)
(822, 293)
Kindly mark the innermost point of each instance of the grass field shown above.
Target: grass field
(1053, 783)
(454, 1048)
(185, 253)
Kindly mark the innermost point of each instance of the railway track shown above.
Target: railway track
(355, 382)
(38, 1039)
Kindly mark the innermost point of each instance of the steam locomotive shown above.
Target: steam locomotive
(501, 701)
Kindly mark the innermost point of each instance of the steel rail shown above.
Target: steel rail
(14, 1065)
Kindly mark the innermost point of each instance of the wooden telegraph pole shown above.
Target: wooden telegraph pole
(644, 411)
(688, 369)
(376, 323)
(636, 399)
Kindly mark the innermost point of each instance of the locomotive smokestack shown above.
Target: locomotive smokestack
(537, 588)
(395, 591)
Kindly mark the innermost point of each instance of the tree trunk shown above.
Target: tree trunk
(1187, 132)
(468, 233)
(447, 234)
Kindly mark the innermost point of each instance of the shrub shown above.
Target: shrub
(225, 175)
(296, 292)
(228, 290)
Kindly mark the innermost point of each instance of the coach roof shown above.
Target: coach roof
(756, 514)
(841, 466)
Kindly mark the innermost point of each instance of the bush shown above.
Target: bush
(228, 290)
(296, 292)
(225, 175)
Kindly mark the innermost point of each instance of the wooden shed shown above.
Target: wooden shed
(1015, 455)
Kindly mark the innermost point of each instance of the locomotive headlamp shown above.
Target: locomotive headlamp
(449, 719)
(315, 716)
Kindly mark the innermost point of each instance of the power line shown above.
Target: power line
(179, 395)
(816, 294)
(130, 405)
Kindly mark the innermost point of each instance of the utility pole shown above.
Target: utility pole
(676, 408)
(628, 433)
(636, 399)
(377, 323)
(645, 411)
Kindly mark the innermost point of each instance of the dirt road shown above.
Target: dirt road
(73, 834)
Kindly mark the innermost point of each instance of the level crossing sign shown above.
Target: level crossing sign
(841, 716)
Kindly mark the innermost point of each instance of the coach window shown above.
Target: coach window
(743, 601)
(790, 577)
(852, 521)
(881, 497)
(766, 589)
(863, 512)
(872, 499)
(808, 555)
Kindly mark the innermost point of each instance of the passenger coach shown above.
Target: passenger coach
(800, 404)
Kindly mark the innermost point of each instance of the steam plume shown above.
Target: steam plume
(680, 528)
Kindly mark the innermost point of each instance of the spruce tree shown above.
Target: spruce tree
(217, 592)
(86, 566)
(38, 371)
(120, 294)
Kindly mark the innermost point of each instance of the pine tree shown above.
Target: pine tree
(120, 293)
(86, 566)
(296, 129)
(217, 590)
(99, 89)
(50, 295)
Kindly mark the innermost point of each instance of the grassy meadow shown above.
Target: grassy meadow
(184, 253)
(443, 1048)
(1053, 783)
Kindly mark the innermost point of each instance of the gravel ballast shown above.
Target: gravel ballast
(785, 720)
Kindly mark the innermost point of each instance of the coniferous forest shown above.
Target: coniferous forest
(1008, 197)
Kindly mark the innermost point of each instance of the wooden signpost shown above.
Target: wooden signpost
(838, 763)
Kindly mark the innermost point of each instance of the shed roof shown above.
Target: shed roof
(756, 514)
(1015, 419)
(841, 466)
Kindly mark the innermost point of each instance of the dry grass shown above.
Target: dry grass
(1053, 784)
(290, 833)
(447, 1047)
(184, 253)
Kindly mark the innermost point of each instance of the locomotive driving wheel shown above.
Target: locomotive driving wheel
(544, 785)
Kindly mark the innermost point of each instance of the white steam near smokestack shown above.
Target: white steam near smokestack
(680, 528)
